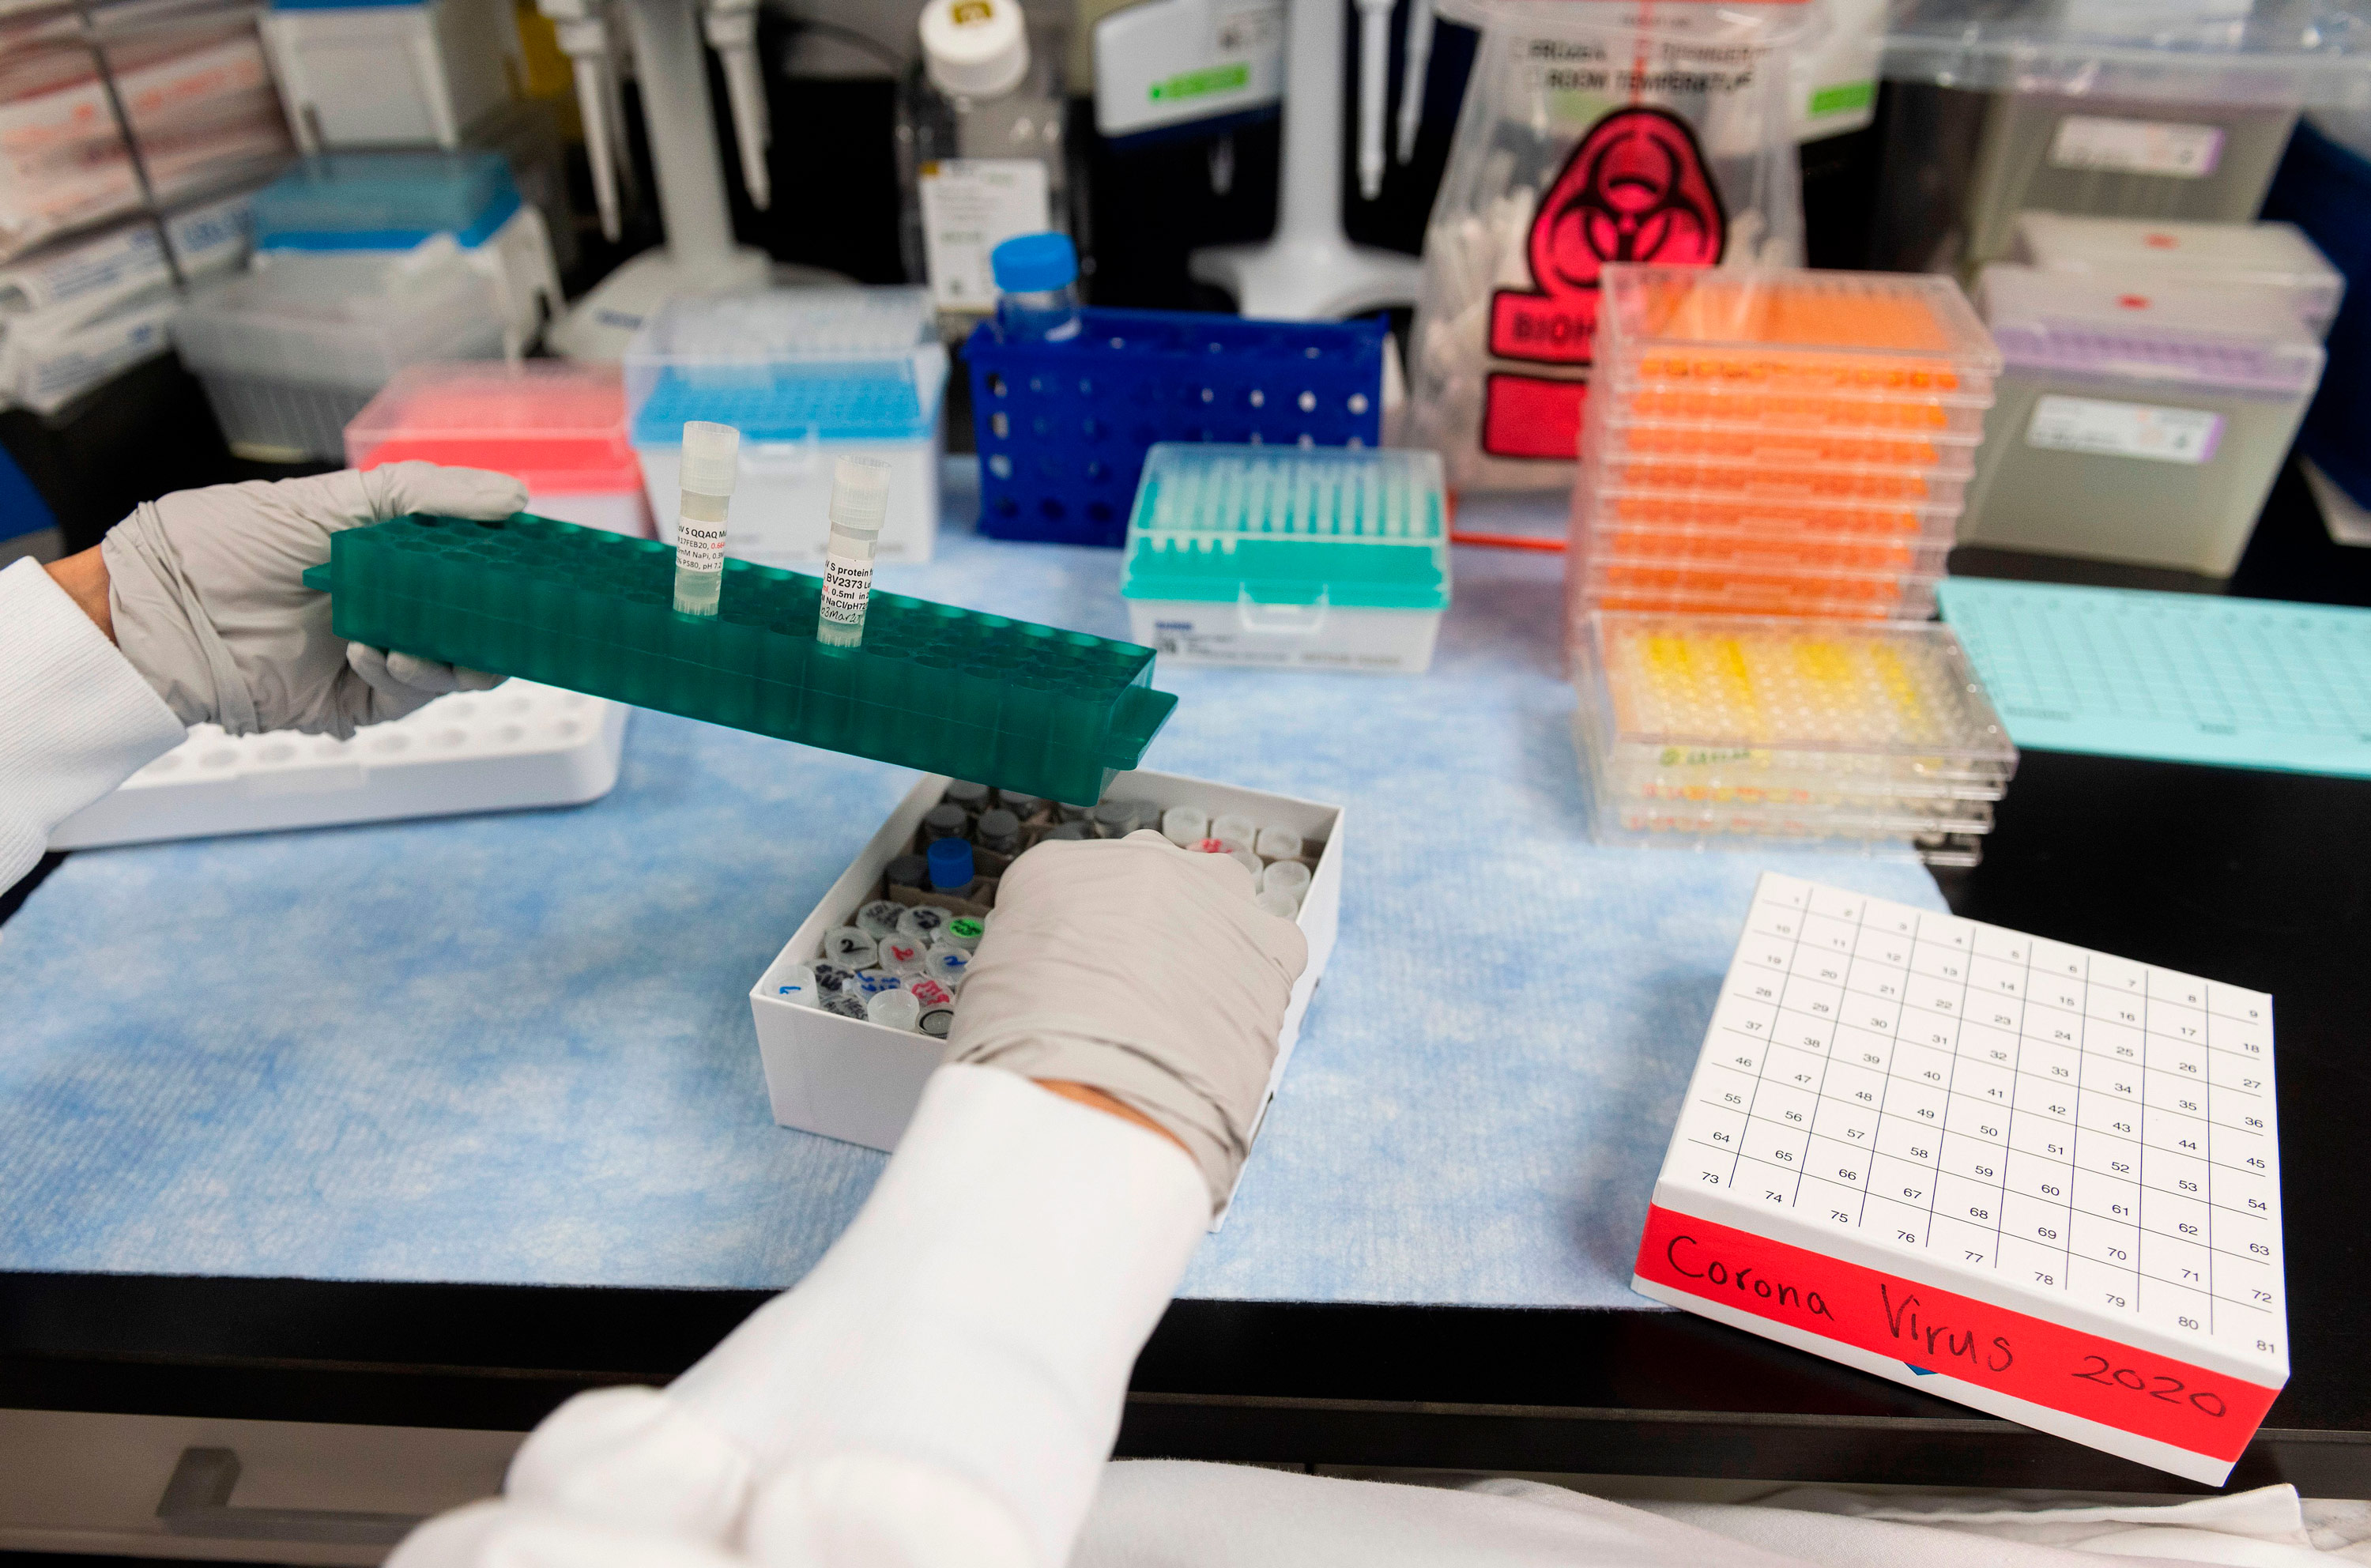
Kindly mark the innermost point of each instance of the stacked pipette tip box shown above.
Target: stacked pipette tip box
(1780, 443)
(1873, 737)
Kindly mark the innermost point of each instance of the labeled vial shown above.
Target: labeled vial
(1236, 829)
(945, 822)
(799, 988)
(938, 1005)
(1278, 843)
(712, 457)
(845, 1004)
(869, 983)
(999, 830)
(879, 918)
(894, 1010)
(860, 502)
(1037, 288)
(1282, 904)
(1186, 826)
(909, 871)
(1068, 833)
(832, 978)
(965, 931)
(1286, 877)
(1209, 847)
(951, 867)
(972, 798)
(904, 955)
(849, 947)
(923, 923)
(947, 966)
(1027, 808)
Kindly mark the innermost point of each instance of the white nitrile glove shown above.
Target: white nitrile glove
(207, 593)
(1141, 970)
(942, 1390)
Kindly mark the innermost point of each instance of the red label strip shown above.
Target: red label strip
(1529, 416)
(1938, 1330)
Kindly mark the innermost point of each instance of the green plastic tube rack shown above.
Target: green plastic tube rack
(1027, 708)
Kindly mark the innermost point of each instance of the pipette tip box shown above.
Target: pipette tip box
(1014, 703)
(859, 1081)
(518, 746)
(1700, 732)
(2036, 1180)
(1287, 557)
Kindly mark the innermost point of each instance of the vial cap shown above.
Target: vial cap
(712, 457)
(859, 494)
(907, 871)
(1034, 264)
(998, 823)
(951, 865)
(965, 793)
(975, 48)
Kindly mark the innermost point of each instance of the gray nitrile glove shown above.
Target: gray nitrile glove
(207, 593)
(1141, 970)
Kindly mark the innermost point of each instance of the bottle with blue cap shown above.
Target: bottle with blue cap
(1037, 288)
(950, 866)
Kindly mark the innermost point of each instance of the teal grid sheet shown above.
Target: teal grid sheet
(2172, 678)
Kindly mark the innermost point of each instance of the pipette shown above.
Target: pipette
(1375, 55)
(732, 28)
(1416, 63)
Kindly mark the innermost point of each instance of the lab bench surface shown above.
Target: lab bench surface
(239, 1208)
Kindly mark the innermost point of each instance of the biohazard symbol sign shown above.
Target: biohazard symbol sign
(1635, 188)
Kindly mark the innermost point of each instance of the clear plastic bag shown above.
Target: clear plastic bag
(1593, 130)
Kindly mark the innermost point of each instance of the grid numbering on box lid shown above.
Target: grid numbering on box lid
(1063, 427)
(1363, 528)
(1021, 706)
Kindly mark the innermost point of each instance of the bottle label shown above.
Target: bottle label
(2137, 146)
(698, 546)
(969, 207)
(2124, 429)
(846, 587)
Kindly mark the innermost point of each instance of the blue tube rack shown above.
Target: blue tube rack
(1063, 427)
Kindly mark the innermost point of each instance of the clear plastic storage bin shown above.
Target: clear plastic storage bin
(2276, 256)
(2104, 108)
(807, 377)
(393, 202)
(2138, 420)
(1281, 557)
(292, 353)
(557, 425)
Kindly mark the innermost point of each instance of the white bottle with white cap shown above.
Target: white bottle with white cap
(712, 457)
(980, 143)
(859, 498)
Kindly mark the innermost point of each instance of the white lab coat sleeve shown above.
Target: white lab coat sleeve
(76, 718)
(941, 1391)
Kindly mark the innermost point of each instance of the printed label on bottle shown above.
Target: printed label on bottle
(846, 587)
(2124, 429)
(698, 546)
(2137, 146)
(969, 207)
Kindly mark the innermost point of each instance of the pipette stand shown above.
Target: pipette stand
(698, 257)
(1310, 271)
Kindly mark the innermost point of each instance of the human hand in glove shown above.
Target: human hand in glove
(203, 590)
(942, 1390)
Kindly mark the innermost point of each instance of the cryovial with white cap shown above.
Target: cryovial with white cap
(1279, 843)
(1286, 877)
(860, 499)
(712, 460)
(1186, 826)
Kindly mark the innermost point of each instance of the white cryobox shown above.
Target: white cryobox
(2037, 1180)
(859, 1081)
(517, 746)
(2268, 255)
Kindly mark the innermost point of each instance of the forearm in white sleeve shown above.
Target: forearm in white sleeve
(76, 718)
(943, 1387)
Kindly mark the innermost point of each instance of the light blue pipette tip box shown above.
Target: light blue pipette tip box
(1288, 556)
